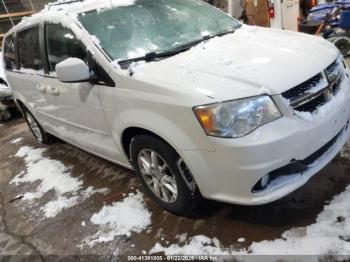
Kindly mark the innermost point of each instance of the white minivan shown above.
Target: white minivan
(197, 104)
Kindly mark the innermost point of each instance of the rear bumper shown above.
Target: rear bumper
(230, 172)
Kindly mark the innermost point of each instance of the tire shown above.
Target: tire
(180, 199)
(39, 133)
(342, 43)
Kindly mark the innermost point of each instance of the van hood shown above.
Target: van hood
(251, 61)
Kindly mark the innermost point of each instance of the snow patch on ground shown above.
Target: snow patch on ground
(328, 236)
(17, 140)
(198, 245)
(54, 176)
(181, 238)
(119, 219)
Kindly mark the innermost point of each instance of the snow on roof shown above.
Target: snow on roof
(56, 10)
(86, 5)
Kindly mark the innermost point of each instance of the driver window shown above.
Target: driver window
(62, 44)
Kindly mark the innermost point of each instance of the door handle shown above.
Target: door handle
(41, 87)
(53, 90)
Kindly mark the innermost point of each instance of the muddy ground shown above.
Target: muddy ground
(23, 230)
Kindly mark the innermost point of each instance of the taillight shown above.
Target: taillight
(271, 11)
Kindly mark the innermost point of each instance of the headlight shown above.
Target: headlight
(237, 118)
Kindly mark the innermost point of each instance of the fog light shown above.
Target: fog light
(265, 181)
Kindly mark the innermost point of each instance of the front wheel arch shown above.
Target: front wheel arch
(189, 195)
(131, 132)
(47, 138)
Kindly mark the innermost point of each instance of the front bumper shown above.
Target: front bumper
(230, 172)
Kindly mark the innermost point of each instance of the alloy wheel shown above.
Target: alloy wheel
(158, 176)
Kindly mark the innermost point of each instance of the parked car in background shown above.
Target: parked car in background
(196, 103)
(331, 20)
(6, 99)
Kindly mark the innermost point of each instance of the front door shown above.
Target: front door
(73, 110)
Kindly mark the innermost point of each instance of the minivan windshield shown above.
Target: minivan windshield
(146, 26)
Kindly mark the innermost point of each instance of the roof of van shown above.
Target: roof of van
(70, 7)
(78, 6)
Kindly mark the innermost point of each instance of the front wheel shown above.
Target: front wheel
(164, 175)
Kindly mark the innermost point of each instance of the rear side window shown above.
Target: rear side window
(29, 49)
(9, 53)
(62, 44)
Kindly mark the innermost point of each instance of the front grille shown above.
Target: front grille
(299, 90)
(316, 91)
(330, 69)
(312, 105)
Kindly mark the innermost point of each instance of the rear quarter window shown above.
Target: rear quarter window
(29, 49)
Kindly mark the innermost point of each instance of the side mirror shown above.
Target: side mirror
(73, 70)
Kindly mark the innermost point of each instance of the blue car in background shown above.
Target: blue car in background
(331, 20)
(320, 12)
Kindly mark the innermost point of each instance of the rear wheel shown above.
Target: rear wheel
(37, 130)
(163, 174)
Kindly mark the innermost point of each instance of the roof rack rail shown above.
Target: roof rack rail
(63, 3)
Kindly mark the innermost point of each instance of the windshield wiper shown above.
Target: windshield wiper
(151, 56)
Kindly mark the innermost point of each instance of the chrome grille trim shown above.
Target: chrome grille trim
(294, 93)
(311, 94)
